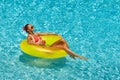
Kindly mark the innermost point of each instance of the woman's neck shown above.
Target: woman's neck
(30, 32)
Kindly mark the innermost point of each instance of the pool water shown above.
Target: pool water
(91, 28)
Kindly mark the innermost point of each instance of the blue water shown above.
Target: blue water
(91, 28)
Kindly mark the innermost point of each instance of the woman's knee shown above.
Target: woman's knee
(62, 40)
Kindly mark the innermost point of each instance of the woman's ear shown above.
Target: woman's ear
(28, 30)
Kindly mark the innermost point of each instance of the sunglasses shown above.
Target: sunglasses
(32, 27)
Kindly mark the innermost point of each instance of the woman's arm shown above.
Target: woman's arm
(44, 34)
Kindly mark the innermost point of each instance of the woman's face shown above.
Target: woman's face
(30, 27)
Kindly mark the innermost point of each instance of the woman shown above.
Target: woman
(35, 39)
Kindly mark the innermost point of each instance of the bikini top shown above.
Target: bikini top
(35, 39)
(38, 39)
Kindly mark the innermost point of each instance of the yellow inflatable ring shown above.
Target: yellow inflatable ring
(43, 52)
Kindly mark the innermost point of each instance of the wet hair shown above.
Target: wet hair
(26, 28)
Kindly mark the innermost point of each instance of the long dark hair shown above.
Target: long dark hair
(26, 28)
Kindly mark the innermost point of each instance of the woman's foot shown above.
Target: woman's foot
(81, 57)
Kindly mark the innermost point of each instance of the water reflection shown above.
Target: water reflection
(42, 62)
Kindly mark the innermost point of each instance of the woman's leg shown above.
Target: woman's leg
(71, 53)
(63, 45)
(60, 42)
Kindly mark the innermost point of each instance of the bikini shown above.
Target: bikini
(38, 40)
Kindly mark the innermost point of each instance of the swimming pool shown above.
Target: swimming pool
(91, 27)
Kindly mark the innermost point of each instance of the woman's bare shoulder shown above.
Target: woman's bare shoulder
(29, 36)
